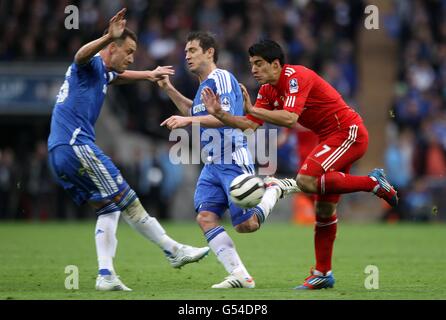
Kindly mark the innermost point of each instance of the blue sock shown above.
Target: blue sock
(259, 213)
(104, 272)
(212, 233)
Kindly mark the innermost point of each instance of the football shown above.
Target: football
(247, 190)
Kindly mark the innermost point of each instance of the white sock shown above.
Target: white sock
(223, 247)
(269, 200)
(137, 217)
(105, 237)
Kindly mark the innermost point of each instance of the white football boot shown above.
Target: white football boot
(110, 283)
(287, 186)
(235, 281)
(187, 254)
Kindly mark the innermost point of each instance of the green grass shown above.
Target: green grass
(411, 260)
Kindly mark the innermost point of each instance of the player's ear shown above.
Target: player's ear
(211, 52)
(276, 64)
(112, 47)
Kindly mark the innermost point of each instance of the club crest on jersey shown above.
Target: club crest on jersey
(294, 87)
(225, 104)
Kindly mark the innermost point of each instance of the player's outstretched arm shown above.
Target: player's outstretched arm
(175, 122)
(115, 29)
(130, 76)
(212, 103)
(182, 103)
(278, 117)
(281, 118)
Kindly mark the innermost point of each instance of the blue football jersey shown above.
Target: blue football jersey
(79, 103)
(218, 142)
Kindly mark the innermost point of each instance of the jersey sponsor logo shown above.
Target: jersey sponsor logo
(294, 86)
(198, 108)
(259, 96)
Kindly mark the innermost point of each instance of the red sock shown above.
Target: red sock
(324, 237)
(338, 183)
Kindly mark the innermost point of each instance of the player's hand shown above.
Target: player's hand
(247, 105)
(160, 73)
(116, 25)
(174, 122)
(211, 101)
(164, 82)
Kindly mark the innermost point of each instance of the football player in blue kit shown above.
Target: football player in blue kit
(212, 191)
(82, 168)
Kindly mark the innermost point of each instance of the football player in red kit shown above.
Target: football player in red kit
(294, 93)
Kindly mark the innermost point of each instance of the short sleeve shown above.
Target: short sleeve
(220, 83)
(93, 64)
(297, 92)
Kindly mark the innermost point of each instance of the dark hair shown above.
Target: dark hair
(206, 39)
(127, 33)
(268, 50)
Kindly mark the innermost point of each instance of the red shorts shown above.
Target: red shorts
(307, 140)
(336, 153)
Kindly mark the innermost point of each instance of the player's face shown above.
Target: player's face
(196, 58)
(262, 70)
(122, 55)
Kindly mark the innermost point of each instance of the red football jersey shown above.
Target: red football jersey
(300, 90)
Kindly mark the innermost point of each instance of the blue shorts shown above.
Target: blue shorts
(85, 172)
(212, 192)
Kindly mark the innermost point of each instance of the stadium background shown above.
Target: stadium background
(395, 77)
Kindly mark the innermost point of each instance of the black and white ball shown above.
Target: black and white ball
(247, 190)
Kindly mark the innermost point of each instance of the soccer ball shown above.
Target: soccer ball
(247, 190)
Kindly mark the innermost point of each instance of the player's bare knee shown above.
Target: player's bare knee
(325, 209)
(307, 183)
(206, 220)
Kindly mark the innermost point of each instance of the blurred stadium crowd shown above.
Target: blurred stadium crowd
(319, 34)
(416, 154)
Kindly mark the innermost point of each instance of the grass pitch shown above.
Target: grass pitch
(410, 259)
